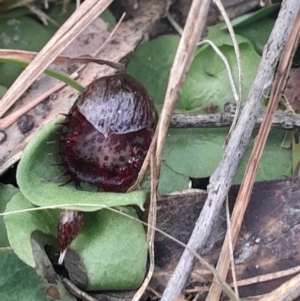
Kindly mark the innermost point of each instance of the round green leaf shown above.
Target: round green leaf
(6, 193)
(258, 33)
(196, 152)
(169, 181)
(112, 247)
(20, 33)
(2, 91)
(151, 64)
(35, 172)
(20, 282)
(20, 226)
(207, 80)
(60, 17)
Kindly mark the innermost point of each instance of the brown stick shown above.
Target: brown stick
(244, 195)
(288, 291)
(191, 34)
(286, 121)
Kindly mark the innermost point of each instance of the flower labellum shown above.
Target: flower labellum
(104, 141)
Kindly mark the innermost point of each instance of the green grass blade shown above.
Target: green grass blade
(60, 76)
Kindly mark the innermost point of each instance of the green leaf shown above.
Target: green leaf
(222, 37)
(20, 226)
(13, 13)
(20, 282)
(151, 64)
(60, 17)
(255, 26)
(112, 247)
(196, 153)
(252, 18)
(108, 17)
(207, 80)
(258, 33)
(50, 72)
(169, 181)
(21, 33)
(2, 91)
(6, 193)
(35, 172)
(276, 161)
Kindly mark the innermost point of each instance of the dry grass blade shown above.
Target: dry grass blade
(183, 58)
(230, 245)
(59, 60)
(288, 291)
(254, 160)
(78, 21)
(150, 231)
(253, 280)
(239, 66)
(75, 291)
(41, 15)
(182, 61)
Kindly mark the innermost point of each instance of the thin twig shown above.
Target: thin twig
(288, 291)
(225, 61)
(249, 281)
(110, 35)
(231, 248)
(75, 291)
(174, 23)
(153, 291)
(9, 248)
(239, 65)
(150, 231)
(247, 184)
(286, 121)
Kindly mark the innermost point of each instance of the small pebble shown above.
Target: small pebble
(26, 123)
(40, 109)
(53, 96)
(3, 137)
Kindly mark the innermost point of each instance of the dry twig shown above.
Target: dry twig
(286, 121)
(230, 246)
(75, 291)
(248, 281)
(288, 291)
(151, 230)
